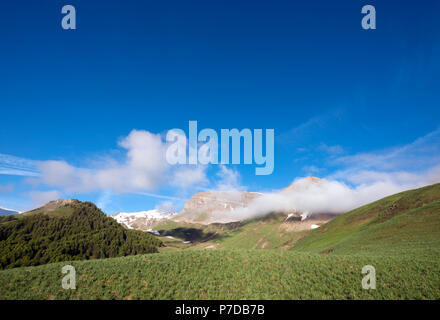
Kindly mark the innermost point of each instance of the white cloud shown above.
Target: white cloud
(324, 196)
(312, 128)
(142, 169)
(229, 179)
(40, 198)
(104, 200)
(6, 188)
(412, 165)
(331, 150)
(11, 165)
(424, 152)
(167, 206)
(360, 179)
(185, 176)
(311, 170)
(304, 129)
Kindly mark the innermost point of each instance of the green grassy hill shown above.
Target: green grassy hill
(407, 223)
(228, 274)
(75, 231)
(398, 235)
(270, 232)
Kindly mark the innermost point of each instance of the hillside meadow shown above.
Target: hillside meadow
(228, 274)
(266, 259)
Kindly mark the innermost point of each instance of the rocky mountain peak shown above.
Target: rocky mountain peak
(201, 205)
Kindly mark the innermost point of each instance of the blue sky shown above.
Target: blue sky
(342, 100)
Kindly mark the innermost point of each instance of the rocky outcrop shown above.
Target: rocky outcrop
(304, 182)
(200, 206)
(52, 205)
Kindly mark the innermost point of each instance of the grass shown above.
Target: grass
(268, 233)
(228, 274)
(64, 211)
(260, 234)
(406, 223)
(398, 235)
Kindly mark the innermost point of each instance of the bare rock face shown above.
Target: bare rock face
(201, 205)
(305, 181)
(52, 205)
(218, 206)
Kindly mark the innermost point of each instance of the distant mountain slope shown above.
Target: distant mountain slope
(72, 231)
(199, 207)
(407, 222)
(227, 206)
(7, 212)
(273, 231)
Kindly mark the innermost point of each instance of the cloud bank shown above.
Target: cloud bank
(144, 169)
(40, 198)
(354, 180)
(305, 197)
(361, 179)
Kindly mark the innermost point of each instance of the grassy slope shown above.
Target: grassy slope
(398, 235)
(255, 234)
(259, 234)
(405, 223)
(72, 232)
(63, 211)
(228, 274)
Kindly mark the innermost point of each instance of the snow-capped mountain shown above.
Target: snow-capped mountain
(226, 206)
(7, 212)
(142, 220)
(231, 206)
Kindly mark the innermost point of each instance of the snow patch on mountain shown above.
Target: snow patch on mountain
(7, 212)
(142, 220)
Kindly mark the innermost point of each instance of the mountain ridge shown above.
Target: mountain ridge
(200, 206)
(72, 231)
(7, 212)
